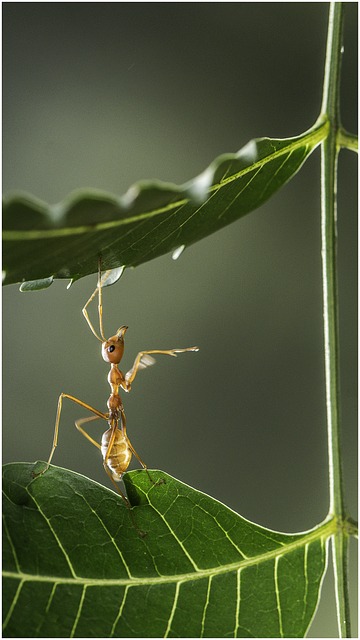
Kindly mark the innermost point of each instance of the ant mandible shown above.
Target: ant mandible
(116, 447)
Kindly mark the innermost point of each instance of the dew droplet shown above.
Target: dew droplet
(177, 253)
(36, 285)
(111, 276)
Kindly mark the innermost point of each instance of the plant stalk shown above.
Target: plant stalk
(347, 140)
(330, 109)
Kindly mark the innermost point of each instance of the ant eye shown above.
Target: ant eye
(111, 349)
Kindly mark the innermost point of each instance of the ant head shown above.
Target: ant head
(113, 348)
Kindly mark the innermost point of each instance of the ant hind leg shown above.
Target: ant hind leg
(144, 466)
(135, 453)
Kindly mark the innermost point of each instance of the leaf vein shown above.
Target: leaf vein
(76, 621)
(326, 529)
(173, 609)
(13, 604)
(206, 606)
(55, 536)
(277, 593)
(310, 139)
(306, 549)
(238, 598)
(119, 612)
(11, 544)
(110, 536)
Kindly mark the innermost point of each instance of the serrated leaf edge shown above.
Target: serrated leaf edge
(313, 137)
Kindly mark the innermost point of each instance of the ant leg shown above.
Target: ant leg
(139, 364)
(144, 466)
(98, 414)
(81, 421)
(86, 316)
(101, 278)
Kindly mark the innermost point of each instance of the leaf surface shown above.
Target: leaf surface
(75, 566)
(41, 241)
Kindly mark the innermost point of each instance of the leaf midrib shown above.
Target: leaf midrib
(321, 532)
(315, 135)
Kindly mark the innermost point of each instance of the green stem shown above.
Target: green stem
(347, 140)
(330, 109)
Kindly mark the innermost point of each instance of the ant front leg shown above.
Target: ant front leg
(98, 291)
(144, 359)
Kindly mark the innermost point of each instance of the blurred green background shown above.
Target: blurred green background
(103, 94)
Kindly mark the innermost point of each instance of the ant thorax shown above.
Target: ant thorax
(116, 377)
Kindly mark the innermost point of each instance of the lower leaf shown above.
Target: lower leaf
(75, 565)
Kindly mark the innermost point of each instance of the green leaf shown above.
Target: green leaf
(75, 566)
(152, 218)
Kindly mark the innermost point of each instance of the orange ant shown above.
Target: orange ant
(115, 447)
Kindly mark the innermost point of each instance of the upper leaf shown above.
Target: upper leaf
(75, 566)
(65, 240)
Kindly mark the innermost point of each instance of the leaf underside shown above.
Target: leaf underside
(75, 566)
(42, 242)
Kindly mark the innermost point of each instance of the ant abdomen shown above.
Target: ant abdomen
(120, 455)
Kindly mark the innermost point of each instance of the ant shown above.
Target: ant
(115, 446)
